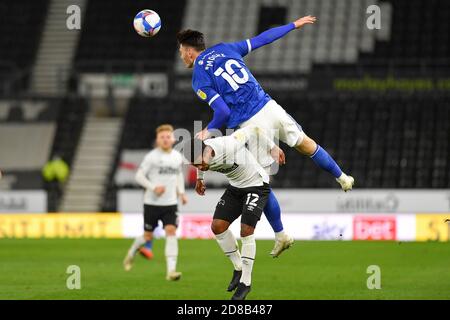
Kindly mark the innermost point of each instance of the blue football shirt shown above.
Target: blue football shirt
(221, 71)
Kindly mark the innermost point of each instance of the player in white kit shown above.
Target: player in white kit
(246, 196)
(161, 175)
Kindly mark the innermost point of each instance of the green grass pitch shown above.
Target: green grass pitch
(36, 269)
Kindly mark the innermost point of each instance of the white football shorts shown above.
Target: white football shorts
(277, 125)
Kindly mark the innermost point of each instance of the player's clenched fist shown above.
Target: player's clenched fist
(200, 187)
(184, 199)
(304, 20)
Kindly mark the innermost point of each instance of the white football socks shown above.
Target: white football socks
(138, 242)
(171, 251)
(280, 235)
(229, 246)
(342, 178)
(248, 258)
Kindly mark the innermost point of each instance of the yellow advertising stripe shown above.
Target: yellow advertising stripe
(432, 227)
(55, 225)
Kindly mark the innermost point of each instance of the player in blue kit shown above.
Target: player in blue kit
(222, 79)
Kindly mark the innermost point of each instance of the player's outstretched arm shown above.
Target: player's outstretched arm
(304, 21)
(276, 33)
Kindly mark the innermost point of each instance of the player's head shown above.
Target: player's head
(196, 153)
(191, 43)
(164, 137)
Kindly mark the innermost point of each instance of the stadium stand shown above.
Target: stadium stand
(387, 138)
(21, 25)
(70, 122)
(352, 130)
(42, 128)
(337, 39)
(419, 31)
(26, 134)
(109, 44)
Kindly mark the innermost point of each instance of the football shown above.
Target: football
(147, 23)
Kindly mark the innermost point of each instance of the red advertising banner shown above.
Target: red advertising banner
(374, 227)
(196, 226)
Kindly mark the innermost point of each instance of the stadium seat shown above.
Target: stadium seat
(385, 141)
(108, 41)
(18, 44)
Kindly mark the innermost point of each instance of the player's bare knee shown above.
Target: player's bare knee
(148, 235)
(219, 226)
(247, 230)
(306, 146)
(171, 230)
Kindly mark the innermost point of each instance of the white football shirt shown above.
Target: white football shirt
(235, 161)
(160, 168)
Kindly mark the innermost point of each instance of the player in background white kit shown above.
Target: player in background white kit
(246, 196)
(161, 175)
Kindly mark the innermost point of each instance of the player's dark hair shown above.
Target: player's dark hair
(192, 149)
(191, 38)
